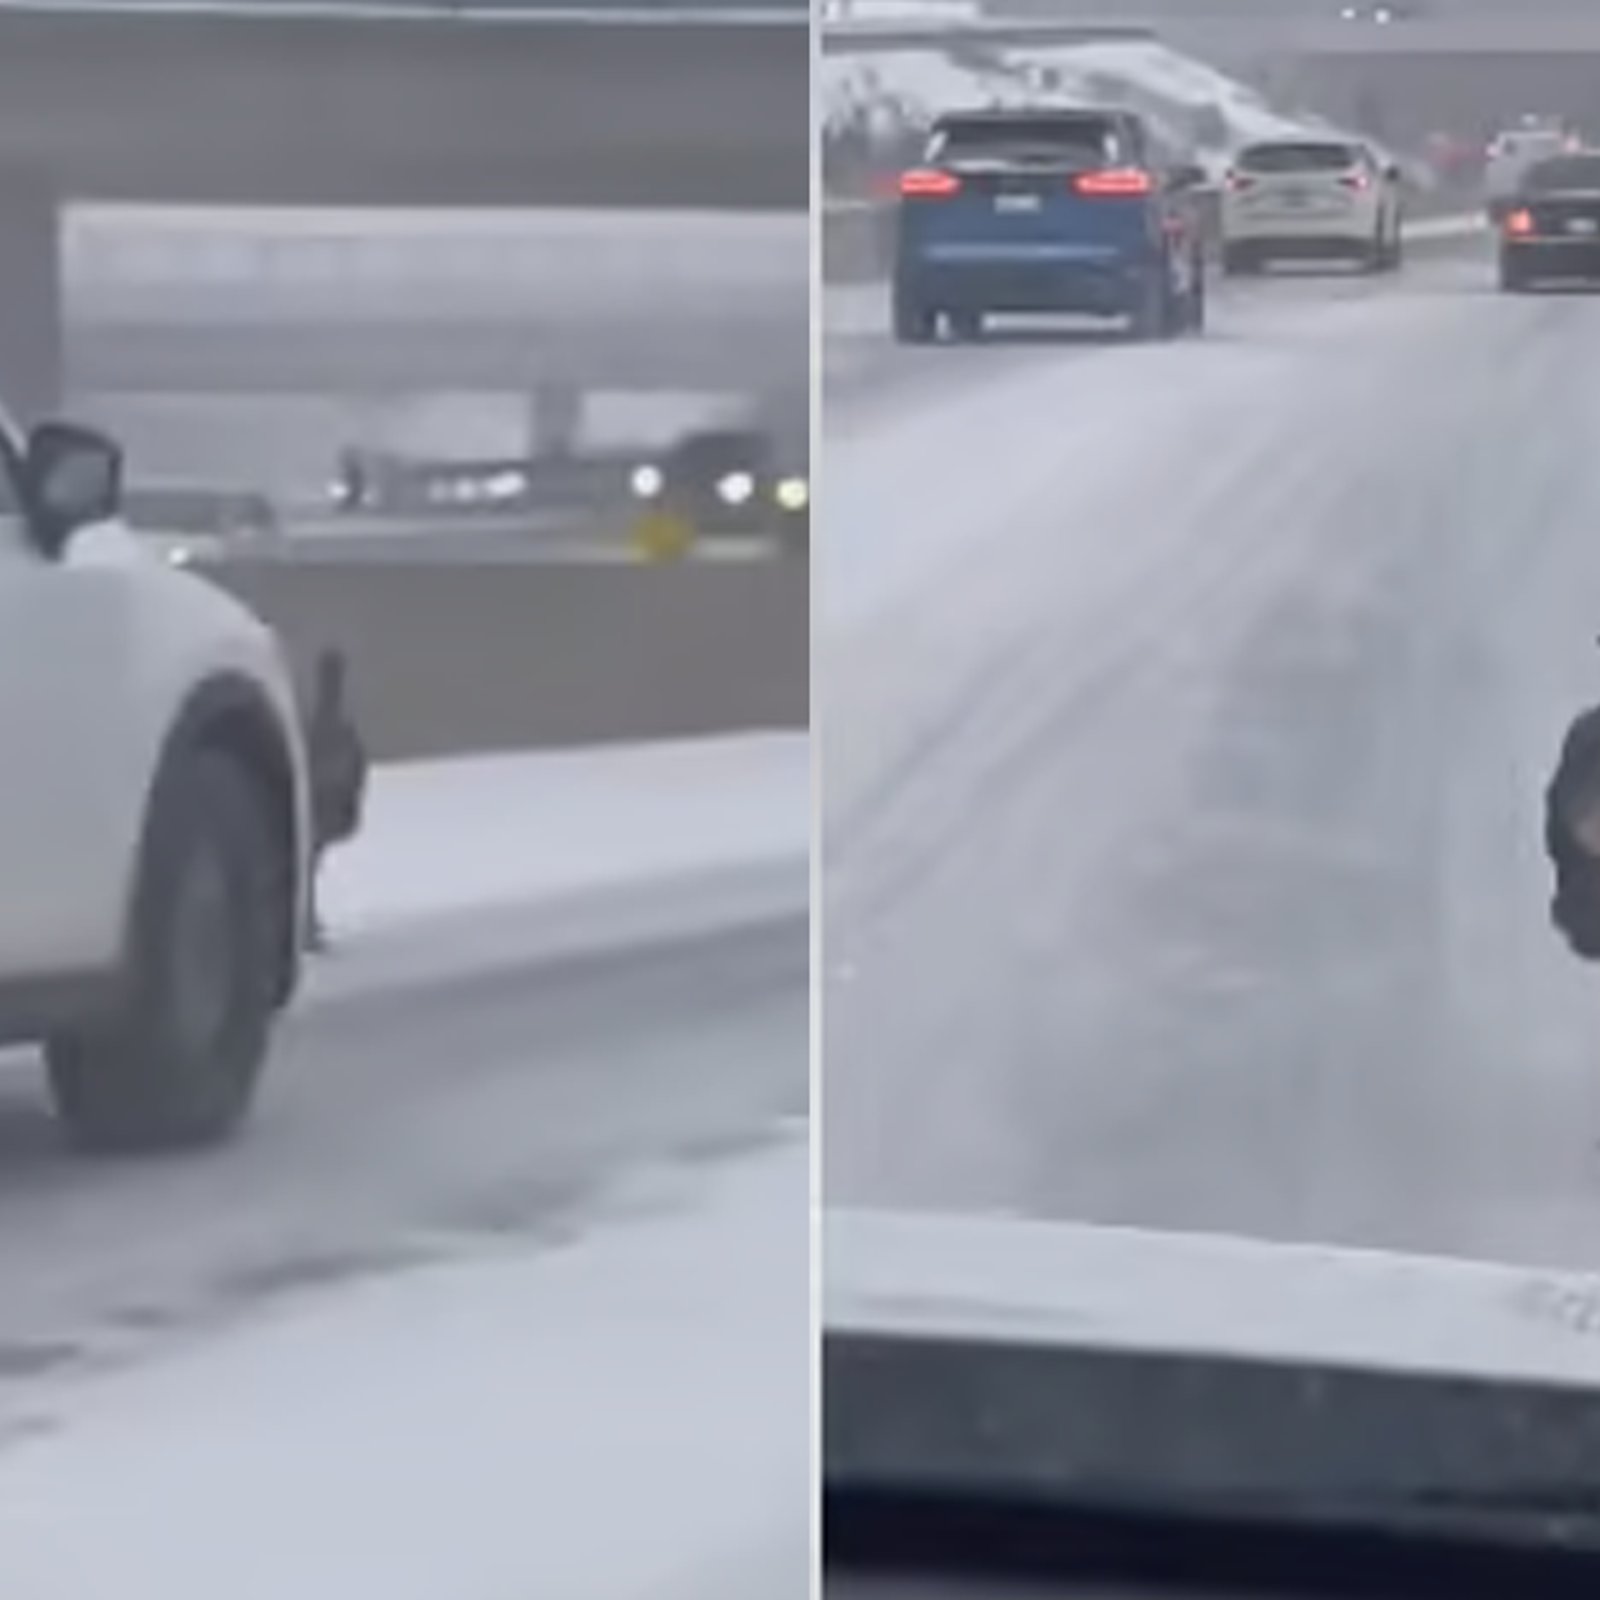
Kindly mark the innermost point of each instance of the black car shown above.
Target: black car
(730, 482)
(1551, 228)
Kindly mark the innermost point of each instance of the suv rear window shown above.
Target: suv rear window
(1080, 140)
(1516, 145)
(1565, 172)
(1304, 157)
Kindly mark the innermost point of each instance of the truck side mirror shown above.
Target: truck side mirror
(71, 479)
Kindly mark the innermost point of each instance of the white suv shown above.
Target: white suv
(1310, 199)
(153, 814)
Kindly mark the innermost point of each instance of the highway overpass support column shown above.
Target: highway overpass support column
(555, 419)
(31, 334)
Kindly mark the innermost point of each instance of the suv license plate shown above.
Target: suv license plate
(1016, 202)
(1585, 225)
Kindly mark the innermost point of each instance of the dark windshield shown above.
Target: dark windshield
(1298, 158)
(1564, 173)
(1077, 140)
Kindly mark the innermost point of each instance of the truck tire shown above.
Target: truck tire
(176, 1060)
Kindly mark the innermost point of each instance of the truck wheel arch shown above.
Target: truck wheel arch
(230, 714)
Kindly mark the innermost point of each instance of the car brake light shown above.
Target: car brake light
(1355, 180)
(1520, 222)
(1114, 180)
(928, 183)
(1239, 182)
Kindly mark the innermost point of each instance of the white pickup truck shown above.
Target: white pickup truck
(153, 812)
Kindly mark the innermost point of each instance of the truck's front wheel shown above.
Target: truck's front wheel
(175, 1062)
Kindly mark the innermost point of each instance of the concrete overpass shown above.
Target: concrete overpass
(1458, 69)
(374, 303)
(1236, 34)
(336, 109)
(376, 358)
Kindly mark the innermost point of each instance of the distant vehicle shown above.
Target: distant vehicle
(1047, 211)
(1515, 151)
(454, 489)
(1551, 229)
(153, 818)
(1382, 12)
(1311, 199)
(727, 481)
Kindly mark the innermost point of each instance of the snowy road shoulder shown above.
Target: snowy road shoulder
(514, 857)
(599, 1421)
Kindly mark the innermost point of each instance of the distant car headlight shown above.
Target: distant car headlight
(736, 488)
(647, 482)
(794, 494)
(507, 485)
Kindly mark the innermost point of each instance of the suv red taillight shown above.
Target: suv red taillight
(1356, 180)
(1114, 181)
(1238, 182)
(929, 183)
(1519, 224)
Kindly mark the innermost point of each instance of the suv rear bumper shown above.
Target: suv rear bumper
(1111, 288)
(1300, 246)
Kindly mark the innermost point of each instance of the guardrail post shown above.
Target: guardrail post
(555, 419)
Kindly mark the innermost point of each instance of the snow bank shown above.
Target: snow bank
(607, 1422)
(445, 837)
(1193, 105)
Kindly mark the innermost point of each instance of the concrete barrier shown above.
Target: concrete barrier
(448, 659)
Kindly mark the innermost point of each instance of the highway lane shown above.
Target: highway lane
(1188, 710)
(860, 362)
(497, 1110)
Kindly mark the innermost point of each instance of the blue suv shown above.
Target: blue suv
(1042, 210)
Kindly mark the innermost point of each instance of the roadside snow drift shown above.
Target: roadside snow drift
(1194, 106)
(480, 832)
